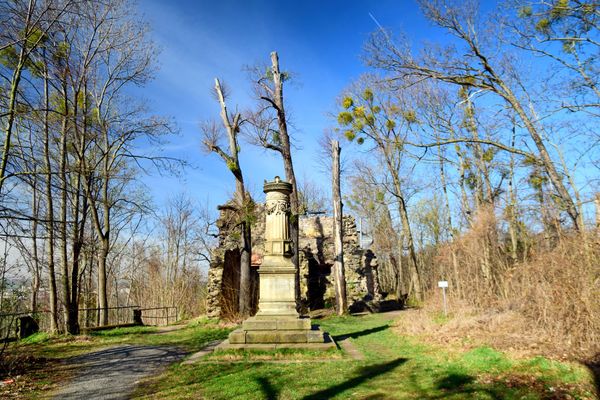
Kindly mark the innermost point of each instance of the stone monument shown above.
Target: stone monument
(277, 324)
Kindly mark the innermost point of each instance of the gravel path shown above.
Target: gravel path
(113, 373)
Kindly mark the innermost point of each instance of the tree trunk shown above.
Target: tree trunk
(245, 299)
(464, 199)
(597, 206)
(104, 234)
(399, 290)
(232, 160)
(483, 185)
(456, 279)
(35, 279)
(79, 209)
(90, 282)
(338, 246)
(76, 246)
(49, 212)
(66, 292)
(513, 227)
(102, 229)
(102, 294)
(415, 275)
(544, 156)
(288, 166)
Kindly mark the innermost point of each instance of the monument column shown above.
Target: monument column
(277, 323)
(277, 273)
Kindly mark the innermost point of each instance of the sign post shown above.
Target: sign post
(444, 285)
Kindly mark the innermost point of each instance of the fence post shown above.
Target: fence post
(137, 316)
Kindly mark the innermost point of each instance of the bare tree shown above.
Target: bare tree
(311, 197)
(479, 71)
(338, 261)
(120, 54)
(26, 27)
(271, 132)
(566, 34)
(72, 141)
(165, 266)
(368, 200)
(213, 134)
(370, 113)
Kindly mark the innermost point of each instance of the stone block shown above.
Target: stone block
(256, 346)
(273, 346)
(294, 324)
(253, 324)
(276, 337)
(307, 346)
(315, 336)
(262, 323)
(237, 337)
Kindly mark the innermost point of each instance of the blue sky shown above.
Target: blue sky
(320, 42)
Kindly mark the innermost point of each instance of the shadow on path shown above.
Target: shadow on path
(357, 334)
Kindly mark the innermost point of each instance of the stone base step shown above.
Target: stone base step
(274, 346)
(242, 336)
(276, 324)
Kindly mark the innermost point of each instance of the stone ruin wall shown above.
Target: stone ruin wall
(316, 251)
(316, 261)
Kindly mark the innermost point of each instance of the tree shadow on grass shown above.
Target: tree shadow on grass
(454, 381)
(357, 334)
(364, 374)
(450, 386)
(270, 392)
(458, 385)
(594, 367)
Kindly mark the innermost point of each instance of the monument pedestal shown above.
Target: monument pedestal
(278, 333)
(277, 323)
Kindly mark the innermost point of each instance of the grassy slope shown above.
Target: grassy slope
(395, 367)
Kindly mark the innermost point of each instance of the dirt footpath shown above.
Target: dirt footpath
(114, 372)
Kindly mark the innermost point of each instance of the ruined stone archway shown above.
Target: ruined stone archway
(317, 281)
(230, 283)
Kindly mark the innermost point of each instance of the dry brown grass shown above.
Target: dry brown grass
(559, 291)
(549, 303)
(467, 328)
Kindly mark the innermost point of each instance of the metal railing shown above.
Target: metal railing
(89, 318)
(159, 316)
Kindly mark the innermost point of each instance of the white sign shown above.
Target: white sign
(443, 284)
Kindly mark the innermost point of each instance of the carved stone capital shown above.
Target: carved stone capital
(277, 207)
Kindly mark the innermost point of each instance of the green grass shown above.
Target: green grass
(39, 337)
(278, 354)
(192, 338)
(395, 367)
(133, 330)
